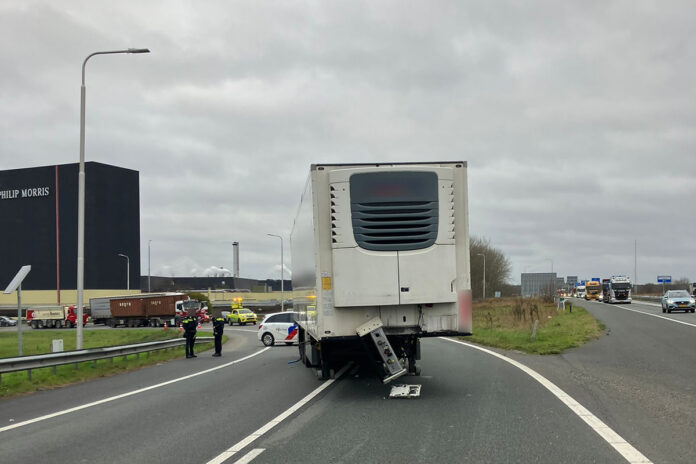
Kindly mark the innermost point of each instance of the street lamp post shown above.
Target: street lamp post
(282, 278)
(127, 270)
(81, 197)
(148, 266)
(484, 274)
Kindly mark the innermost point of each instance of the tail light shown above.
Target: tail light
(260, 326)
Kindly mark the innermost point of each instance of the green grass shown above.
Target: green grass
(507, 324)
(39, 342)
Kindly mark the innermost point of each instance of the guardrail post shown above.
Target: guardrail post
(54, 370)
(28, 374)
(75, 365)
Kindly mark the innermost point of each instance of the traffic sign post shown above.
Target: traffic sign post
(664, 279)
(16, 284)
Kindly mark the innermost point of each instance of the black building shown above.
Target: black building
(38, 207)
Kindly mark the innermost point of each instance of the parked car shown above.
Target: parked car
(242, 316)
(7, 322)
(279, 327)
(678, 299)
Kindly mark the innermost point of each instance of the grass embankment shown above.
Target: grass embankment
(39, 342)
(508, 323)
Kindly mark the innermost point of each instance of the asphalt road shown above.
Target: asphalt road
(474, 407)
(640, 378)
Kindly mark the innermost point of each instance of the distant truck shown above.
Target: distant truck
(149, 310)
(592, 290)
(380, 256)
(54, 318)
(692, 289)
(618, 290)
(580, 291)
(605, 289)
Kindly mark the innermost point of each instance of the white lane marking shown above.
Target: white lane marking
(656, 315)
(236, 448)
(124, 395)
(624, 448)
(646, 303)
(247, 458)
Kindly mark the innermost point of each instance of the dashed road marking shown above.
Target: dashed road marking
(655, 315)
(247, 458)
(236, 448)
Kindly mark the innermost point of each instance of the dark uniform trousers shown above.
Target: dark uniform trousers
(189, 325)
(218, 329)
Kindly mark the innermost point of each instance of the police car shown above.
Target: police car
(279, 327)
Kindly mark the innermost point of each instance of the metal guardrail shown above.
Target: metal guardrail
(27, 363)
(646, 297)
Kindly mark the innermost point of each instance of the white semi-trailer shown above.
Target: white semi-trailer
(380, 258)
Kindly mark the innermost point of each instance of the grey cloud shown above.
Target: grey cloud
(576, 118)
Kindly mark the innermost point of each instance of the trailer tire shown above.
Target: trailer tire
(34, 325)
(59, 324)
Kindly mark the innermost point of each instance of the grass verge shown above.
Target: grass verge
(508, 323)
(39, 342)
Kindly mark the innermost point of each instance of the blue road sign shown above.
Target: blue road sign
(664, 279)
(596, 279)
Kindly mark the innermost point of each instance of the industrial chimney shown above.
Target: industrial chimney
(236, 259)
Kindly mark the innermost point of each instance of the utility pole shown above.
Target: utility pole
(635, 264)
(484, 274)
(282, 276)
(148, 266)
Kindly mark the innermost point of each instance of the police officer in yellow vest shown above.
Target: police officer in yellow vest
(189, 324)
(218, 328)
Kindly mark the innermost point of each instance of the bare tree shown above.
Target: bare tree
(497, 267)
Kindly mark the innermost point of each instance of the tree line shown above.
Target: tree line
(498, 269)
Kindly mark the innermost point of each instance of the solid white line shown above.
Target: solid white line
(124, 395)
(247, 458)
(646, 303)
(656, 315)
(624, 448)
(236, 448)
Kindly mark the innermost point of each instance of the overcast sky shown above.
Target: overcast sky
(577, 119)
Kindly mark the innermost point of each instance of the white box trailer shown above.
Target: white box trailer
(380, 249)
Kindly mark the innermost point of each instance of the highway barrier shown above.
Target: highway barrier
(27, 363)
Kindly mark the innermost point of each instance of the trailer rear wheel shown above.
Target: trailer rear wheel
(59, 324)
